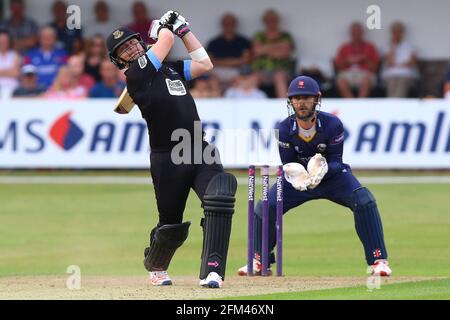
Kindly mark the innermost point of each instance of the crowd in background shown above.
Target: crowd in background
(55, 62)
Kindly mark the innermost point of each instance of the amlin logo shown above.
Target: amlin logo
(65, 132)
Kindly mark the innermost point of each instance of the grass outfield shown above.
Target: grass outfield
(104, 228)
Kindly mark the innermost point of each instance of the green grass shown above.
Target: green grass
(104, 229)
(420, 290)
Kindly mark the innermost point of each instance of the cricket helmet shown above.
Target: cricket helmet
(116, 39)
(303, 86)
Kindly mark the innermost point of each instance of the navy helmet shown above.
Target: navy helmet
(303, 86)
(116, 39)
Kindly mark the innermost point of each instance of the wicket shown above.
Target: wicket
(265, 220)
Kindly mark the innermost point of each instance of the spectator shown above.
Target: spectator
(29, 86)
(400, 64)
(65, 87)
(273, 50)
(66, 37)
(95, 53)
(206, 86)
(9, 65)
(142, 21)
(101, 25)
(110, 86)
(245, 86)
(229, 50)
(447, 85)
(21, 28)
(356, 64)
(47, 58)
(75, 65)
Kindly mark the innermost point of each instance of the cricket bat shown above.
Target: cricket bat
(125, 103)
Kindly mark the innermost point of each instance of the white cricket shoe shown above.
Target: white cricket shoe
(160, 278)
(213, 280)
(381, 268)
(257, 267)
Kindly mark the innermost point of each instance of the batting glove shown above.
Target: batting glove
(181, 26)
(166, 21)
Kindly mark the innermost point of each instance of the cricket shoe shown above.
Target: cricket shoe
(380, 268)
(257, 267)
(213, 280)
(160, 278)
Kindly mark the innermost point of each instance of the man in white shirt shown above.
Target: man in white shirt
(399, 72)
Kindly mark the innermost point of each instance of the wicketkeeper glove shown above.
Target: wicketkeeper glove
(317, 169)
(297, 175)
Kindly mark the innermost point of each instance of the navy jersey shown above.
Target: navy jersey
(328, 141)
(160, 91)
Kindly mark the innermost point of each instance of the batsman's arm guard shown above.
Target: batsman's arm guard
(164, 241)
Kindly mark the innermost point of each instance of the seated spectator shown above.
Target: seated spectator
(273, 50)
(9, 65)
(356, 64)
(141, 22)
(47, 58)
(229, 50)
(110, 86)
(245, 86)
(399, 73)
(75, 64)
(65, 87)
(66, 37)
(447, 85)
(102, 25)
(29, 86)
(206, 86)
(21, 28)
(95, 53)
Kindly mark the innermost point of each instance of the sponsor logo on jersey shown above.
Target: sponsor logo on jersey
(142, 62)
(321, 147)
(338, 139)
(284, 145)
(175, 87)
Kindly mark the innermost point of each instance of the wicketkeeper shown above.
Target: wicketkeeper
(311, 147)
(159, 89)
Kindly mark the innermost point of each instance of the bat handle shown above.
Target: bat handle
(173, 17)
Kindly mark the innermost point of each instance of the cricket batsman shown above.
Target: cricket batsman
(159, 90)
(311, 148)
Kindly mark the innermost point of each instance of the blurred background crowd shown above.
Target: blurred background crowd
(49, 60)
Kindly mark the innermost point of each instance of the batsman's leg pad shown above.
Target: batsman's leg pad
(368, 224)
(218, 205)
(164, 241)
